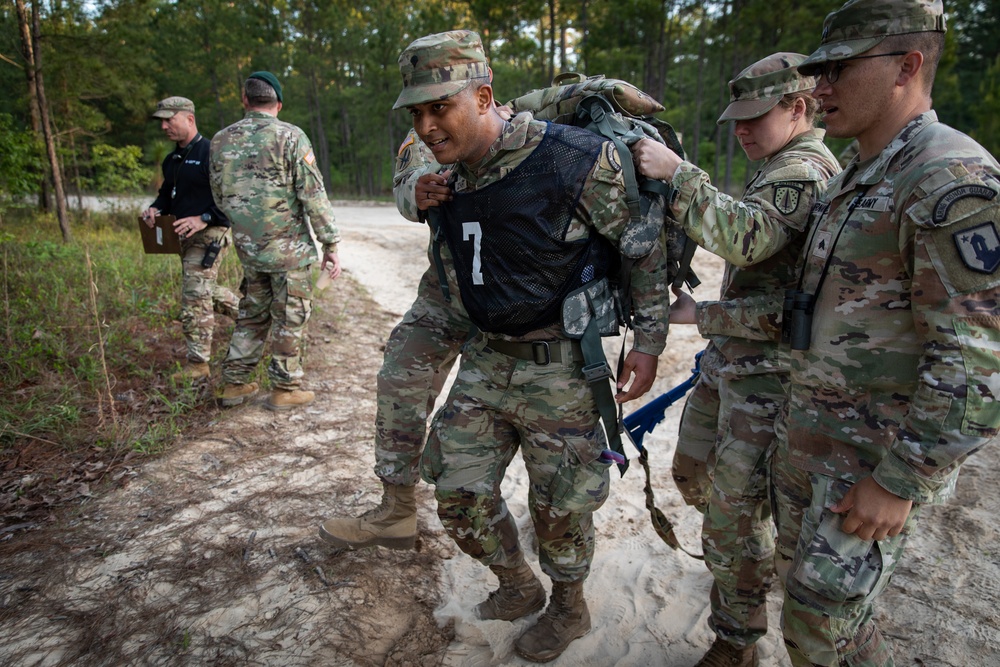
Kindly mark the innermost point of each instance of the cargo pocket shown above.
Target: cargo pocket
(981, 356)
(298, 305)
(843, 568)
(581, 482)
(430, 460)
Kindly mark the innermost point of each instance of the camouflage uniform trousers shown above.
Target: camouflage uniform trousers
(831, 578)
(419, 355)
(201, 295)
(737, 533)
(275, 303)
(497, 405)
(698, 433)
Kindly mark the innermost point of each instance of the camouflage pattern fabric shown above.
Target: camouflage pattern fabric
(438, 66)
(608, 216)
(860, 25)
(499, 405)
(547, 411)
(765, 229)
(760, 236)
(831, 578)
(698, 433)
(422, 347)
(201, 295)
(737, 533)
(275, 303)
(902, 378)
(265, 179)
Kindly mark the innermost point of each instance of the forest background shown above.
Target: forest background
(85, 75)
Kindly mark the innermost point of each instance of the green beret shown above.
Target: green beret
(270, 79)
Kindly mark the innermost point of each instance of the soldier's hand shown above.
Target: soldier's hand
(187, 227)
(654, 160)
(505, 111)
(432, 189)
(331, 265)
(149, 216)
(873, 513)
(641, 369)
(683, 310)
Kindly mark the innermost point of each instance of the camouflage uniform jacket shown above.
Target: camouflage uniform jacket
(761, 237)
(413, 160)
(601, 207)
(264, 177)
(902, 379)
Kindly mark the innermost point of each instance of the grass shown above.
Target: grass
(86, 368)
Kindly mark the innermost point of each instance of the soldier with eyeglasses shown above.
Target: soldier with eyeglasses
(896, 379)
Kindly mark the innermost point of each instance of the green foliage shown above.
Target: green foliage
(118, 170)
(21, 166)
(987, 130)
(51, 369)
(107, 63)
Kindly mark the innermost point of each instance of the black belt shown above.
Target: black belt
(542, 352)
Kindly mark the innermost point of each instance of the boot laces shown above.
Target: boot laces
(379, 510)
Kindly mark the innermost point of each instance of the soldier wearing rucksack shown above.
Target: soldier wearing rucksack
(582, 218)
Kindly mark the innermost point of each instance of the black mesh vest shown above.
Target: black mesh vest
(513, 263)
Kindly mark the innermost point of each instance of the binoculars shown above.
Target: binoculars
(796, 320)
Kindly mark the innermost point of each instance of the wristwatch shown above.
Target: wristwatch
(206, 218)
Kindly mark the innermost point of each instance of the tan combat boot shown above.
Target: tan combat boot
(520, 594)
(234, 394)
(393, 524)
(284, 399)
(191, 371)
(565, 619)
(724, 654)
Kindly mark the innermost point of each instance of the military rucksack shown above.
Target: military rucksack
(620, 112)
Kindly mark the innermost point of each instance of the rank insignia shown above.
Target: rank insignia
(979, 247)
(786, 198)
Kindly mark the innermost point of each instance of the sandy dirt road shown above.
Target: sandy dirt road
(209, 556)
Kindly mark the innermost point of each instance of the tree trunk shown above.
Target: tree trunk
(582, 62)
(50, 143)
(699, 91)
(730, 137)
(28, 52)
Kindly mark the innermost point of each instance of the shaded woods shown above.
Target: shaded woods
(82, 76)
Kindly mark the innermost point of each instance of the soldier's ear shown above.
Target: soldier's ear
(484, 98)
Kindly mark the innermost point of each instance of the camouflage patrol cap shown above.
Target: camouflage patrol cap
(169, 107)
(758, 89)
(860, 25)
(438, 66)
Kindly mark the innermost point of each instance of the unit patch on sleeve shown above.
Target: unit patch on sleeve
(786, 197)
(940, 213)
(979, 246)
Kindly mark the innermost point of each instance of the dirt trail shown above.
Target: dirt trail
(209, 555)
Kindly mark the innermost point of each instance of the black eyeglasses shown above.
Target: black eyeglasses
(832, 68)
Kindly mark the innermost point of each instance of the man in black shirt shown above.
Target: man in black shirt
(203, 228)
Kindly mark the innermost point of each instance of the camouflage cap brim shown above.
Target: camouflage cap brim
(430, 92)
(164, 113)
(747, 109)
(849, 48)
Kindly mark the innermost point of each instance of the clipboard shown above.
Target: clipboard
(161, 239)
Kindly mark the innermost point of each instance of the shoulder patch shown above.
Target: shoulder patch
(796, 171)
(787, 197)
(309, 158)
(947, 200)
(979, 246)
(613, 162)
(406, 143)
